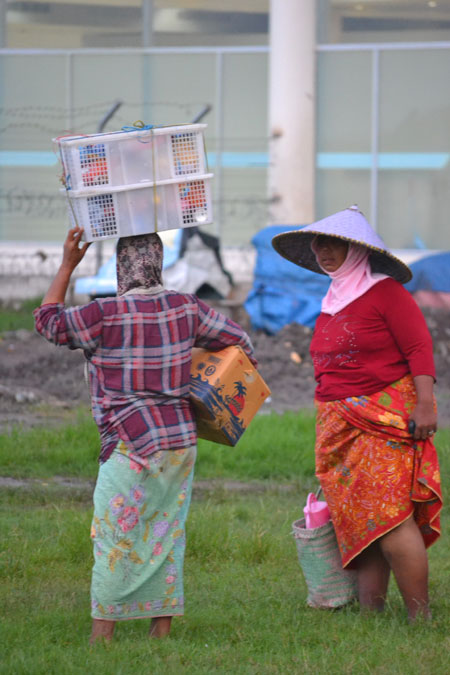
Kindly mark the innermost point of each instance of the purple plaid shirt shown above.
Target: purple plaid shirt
(138, 349)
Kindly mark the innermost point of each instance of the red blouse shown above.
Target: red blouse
(377, 339)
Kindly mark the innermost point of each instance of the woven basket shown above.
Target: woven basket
(329, 585)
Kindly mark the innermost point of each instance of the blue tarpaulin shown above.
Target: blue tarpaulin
(431, 273)
(282, 292)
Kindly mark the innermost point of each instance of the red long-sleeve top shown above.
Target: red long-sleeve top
(377, 339)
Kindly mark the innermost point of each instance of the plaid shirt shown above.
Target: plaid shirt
(138, 349)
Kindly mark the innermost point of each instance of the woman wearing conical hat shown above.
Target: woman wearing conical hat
(376, 414)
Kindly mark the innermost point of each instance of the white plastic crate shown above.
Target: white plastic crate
(129, 157)
(106, 213)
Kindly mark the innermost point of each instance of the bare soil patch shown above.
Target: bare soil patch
(41, 384)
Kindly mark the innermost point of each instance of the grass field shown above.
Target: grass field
(18, 317)
(245, 596)
(284, 453)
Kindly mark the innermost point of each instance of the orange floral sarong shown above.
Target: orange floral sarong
(372, 472)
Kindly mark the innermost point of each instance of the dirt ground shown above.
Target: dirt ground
(42, 384)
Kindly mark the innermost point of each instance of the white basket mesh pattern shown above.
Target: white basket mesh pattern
(194, 205)
(93, 165)
(185, 154)
(102, 217)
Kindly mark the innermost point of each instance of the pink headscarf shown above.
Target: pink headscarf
(351, 280)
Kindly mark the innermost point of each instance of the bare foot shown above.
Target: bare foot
(102, 630)
(422, 613)
(160, 626)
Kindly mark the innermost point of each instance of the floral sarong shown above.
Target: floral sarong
(374, 475)
(138, 531)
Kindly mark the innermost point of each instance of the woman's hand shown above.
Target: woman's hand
(424, 415)
(73, 254)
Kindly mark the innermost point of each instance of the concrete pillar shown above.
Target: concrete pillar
(147, 75)
(3, 42)
(292, 99)
(147, 23)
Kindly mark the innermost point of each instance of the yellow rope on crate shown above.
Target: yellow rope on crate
(63, 180)
(69, 201)
(72, 209)
(206, 154)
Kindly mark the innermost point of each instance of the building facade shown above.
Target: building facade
(381, 105)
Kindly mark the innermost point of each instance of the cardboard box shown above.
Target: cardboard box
(226, 391)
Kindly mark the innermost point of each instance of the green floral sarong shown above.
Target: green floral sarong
(138, 531)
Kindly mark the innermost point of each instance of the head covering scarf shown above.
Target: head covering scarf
(351, 280)
(139, 264)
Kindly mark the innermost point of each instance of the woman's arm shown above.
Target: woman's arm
(424, 415)
(216, 331)
(410, 331)
(72, 256)
(76, 327)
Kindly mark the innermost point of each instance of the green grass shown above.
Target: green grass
(21, 317)
(245, 600)
(273, 447)
(245, 595)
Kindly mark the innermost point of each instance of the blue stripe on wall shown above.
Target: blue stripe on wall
(24, 158)
(254, 160)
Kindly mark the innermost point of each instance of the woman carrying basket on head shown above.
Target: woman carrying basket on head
(374, 368)
(138, 350)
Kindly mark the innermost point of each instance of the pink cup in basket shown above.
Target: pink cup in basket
(316, 513)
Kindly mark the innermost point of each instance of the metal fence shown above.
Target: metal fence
(382, 130)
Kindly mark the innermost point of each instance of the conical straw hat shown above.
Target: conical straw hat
(349, 225)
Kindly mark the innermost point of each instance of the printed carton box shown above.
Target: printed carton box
(227, 391)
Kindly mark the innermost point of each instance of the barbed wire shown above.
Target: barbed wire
(95, 111)
(19, 201)
(24, 202)
(101, 105)
(39, 262)
(257, 142)
(85, 119)
(52, 110)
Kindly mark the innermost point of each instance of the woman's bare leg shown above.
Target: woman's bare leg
(102, 630)
(373, 578)
(404, 550)
(160, 626)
